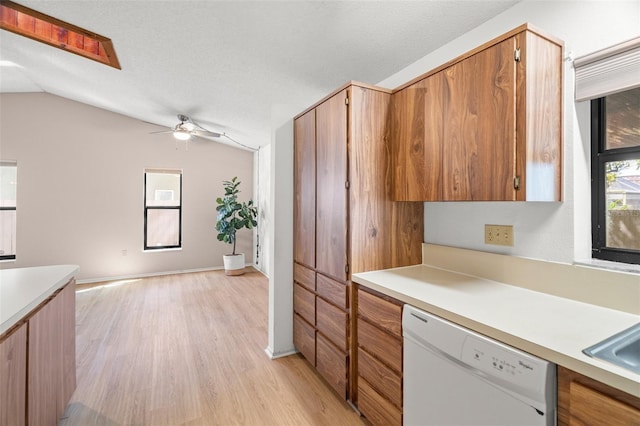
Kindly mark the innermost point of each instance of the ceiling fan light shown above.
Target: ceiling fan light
(181, 135)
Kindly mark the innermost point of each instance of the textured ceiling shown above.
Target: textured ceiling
(226, 64)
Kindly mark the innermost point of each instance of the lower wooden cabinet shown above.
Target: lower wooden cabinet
(13, 377)
(332, 364)
(585, 401)
(321, 326)
(375, 407)
(304, 338)
(379, 361)
(38, 363)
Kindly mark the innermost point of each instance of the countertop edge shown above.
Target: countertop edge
(598, 370)
(57, 281)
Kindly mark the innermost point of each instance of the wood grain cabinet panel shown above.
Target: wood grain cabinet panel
(383, 234)
(13, 377)
(384, 314)
(304, 276)
(331, 363)
(332, 195)
(44, 378)
(332, 322)
(479, 150)
(68, 299)
(381, 345)
(333, 291)
(486, 126)
(304, 184)
(38, 363)
(585, 401)
(378, 410)
(304, 303)
(386, 382)
(304, 338)
(416, 131)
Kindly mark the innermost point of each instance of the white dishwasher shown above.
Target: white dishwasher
(454, 376)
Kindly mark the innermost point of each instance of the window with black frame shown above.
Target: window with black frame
(8, 189)
(615, 176)
(162, 209)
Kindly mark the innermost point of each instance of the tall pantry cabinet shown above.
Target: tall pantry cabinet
(344, 222)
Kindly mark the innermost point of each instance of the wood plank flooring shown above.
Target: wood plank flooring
(189, 350)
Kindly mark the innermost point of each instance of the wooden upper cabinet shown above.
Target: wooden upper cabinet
(304, 181)
(331, 178)
(539, 118)
(384, 234)
(486, 126)
(416, 130)
(479, 113)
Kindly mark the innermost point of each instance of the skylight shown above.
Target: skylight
(54, 32)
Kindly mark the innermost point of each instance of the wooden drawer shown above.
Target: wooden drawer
(375, 407)
(381, 345)
(331, 363)
(381, 312)
(304, 338)
(385, 381)
(334, 291)
(304, 276)
(304, 303)
(332, 322)
(583, 400)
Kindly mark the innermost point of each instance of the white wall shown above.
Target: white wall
(80, 188)
(280, 328)
(549, 231)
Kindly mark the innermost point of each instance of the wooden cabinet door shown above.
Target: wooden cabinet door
(331, 177)
(585, 401)
(68, 329)
(416, 135)
(45, 379)
(304, 186)
(13, 377)
(479, 128)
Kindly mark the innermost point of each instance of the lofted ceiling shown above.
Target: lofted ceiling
(227, 64)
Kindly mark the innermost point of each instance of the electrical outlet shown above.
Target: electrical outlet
(501, 235)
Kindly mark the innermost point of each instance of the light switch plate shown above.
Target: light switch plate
(501, 235)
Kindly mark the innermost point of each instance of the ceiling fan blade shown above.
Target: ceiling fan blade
(162, 131)
(206, 134)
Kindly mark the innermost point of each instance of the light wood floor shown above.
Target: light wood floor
(189, 349)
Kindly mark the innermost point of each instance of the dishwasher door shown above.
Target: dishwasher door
(453, 376)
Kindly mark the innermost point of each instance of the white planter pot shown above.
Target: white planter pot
(233, 264)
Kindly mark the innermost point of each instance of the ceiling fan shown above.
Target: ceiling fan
(187, 128)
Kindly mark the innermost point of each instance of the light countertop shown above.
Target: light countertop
(23, 289)
(548, 326)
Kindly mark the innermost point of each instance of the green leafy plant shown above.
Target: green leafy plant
(232, 214)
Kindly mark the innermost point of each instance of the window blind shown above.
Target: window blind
(611, 70)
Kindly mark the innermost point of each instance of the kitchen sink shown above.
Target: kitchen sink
(621, 349)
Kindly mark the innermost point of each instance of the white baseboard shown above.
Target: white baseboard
(271, 355)
(145, 275)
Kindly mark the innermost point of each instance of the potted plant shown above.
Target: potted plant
(232, 216)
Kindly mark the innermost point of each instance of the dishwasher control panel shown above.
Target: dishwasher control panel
(503, 362)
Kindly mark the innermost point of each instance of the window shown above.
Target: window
(615, 176)
(8, 190)
(162, 209)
